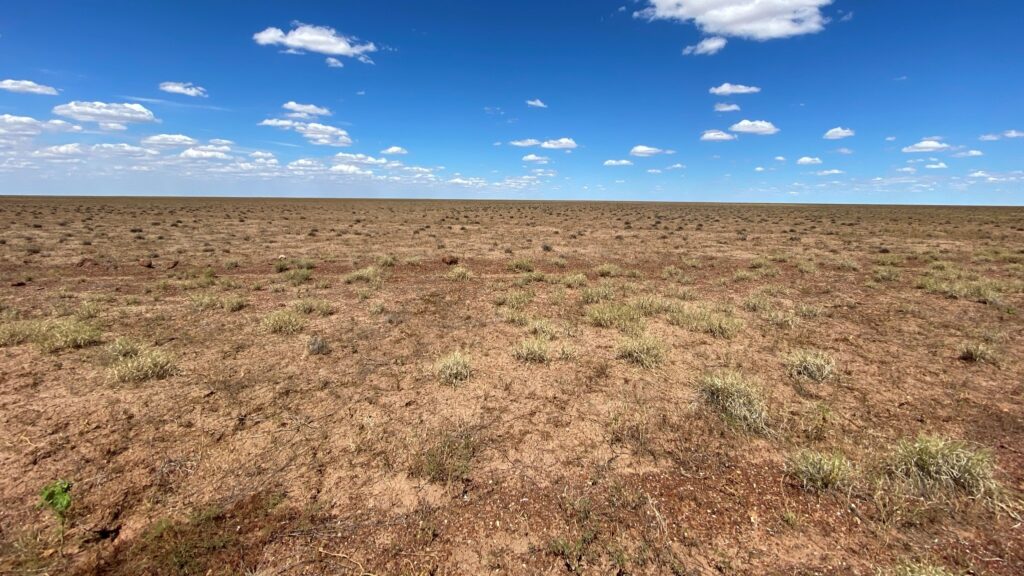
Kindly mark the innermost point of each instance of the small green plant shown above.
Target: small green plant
(284, 322)
(534, 350)
(644, 351)
(811, 364)
(453, 369)
(740, 401)
(56, 497)
(819, 471)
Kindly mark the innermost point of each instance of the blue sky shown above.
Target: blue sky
(921, 100)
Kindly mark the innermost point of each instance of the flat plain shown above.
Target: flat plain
(258, 387)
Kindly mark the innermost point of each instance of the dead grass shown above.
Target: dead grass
(453, 369)
(819, 471)
(720, 323)
(933, 465)
(644, 351)
(135, 363)
(740, 401)
(284, 322)
(813, 365)
(447, 456)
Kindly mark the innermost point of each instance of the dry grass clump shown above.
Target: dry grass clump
(234, 303)
(284, 322)
(458, 273)
(133, 362)
(574, 280)
(533, 350)
(614, 315)
(65, 334)
(453, 369)
(311, 306)
(644, 351)
(819, 471)
(596, 294)
(515, 299)
(978, 352)
(448, 458)
(717, 323)
(740, 401)
(935, 464)
(811, 364)
(370, 275)
(17, 332)
(298, 276)
(521, 265)
(960, 285)
(317, 346)
(648, 305)
(608, 271)
(917, 569)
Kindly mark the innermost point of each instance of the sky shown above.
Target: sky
(840, 101)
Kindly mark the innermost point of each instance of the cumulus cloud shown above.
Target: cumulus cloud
(19, 126)
(183, 88)
(1013, 134)
(723, 107)
(525, 142)
(646, 151)
(927, 145)
(304, 110)
(988, 137)
(333, 62)
(350, 169)
(936, 166)
(535, 159)
(559, 144)
(759, 127)
(618, 163)
(112, 116)
(716, 136)
(316, 133)
(74, 149)
(728, 89)
(838, 133)
(707, 46)
(27, 87)
(754, 19)
(122, 149)
(169, 140)
(394, 150)
(536, 103)
(808, 160)
(319, 39)
(350, 158)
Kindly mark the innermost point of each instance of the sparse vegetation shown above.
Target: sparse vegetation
(644, 351)
(814, 365)
(453, 369)
(935, 464)
(737, 399)
(819, 471)
(284, 322)
(534, 350)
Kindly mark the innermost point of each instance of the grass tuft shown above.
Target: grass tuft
(453, 369)
(284, 322)
(644, 351)
(811, 364)
(934, 464)
(533, 350)
(740, 401)
(819, 471)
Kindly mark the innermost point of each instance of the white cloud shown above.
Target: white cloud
(74, 149)
(525, 143)
(936, 166)
(716, 136)
(536, 103)
(316, 133)
(108, 115)
(808, 160)
(988, 137)
(653, 171)
(169, 140)
(535, 158)
(754, 19)
(333, 62)
(728, 89)
(123, 150)
(838, 133)
(646, 151)
(394, 150)
(27, 87)
(319, 39)
(844, 150)
(780, 158)
(183, 88)
(559, 144)
(723, 107)
(927, 145)
(707, 46)
(28, 126)
(304, 110)
(759, 127)
(1013, 134)
(617, 163)
(350, 158)
(907, 170)
(969, 154)
(350, 169)
(759, 169)
(890, 138)
(676, 166)
(832, 172)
